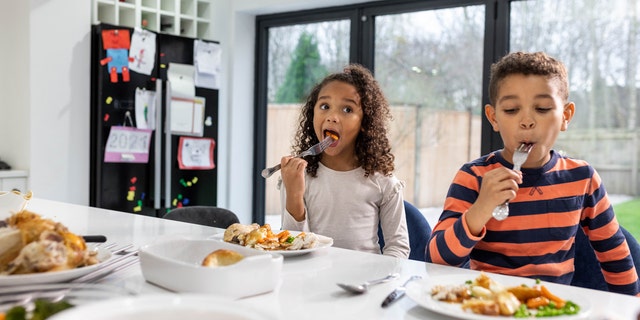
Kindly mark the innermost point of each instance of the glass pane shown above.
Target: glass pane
(429, 65)
(599, 42)
(299, 57)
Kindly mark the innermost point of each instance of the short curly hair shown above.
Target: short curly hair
(537, 63)
(372, 144)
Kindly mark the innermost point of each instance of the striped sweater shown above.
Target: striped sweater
(537, 240)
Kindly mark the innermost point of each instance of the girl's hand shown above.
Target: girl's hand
(293, 171)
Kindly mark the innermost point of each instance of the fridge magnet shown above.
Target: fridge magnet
(196, 153)
(143, 51)
(127, 144)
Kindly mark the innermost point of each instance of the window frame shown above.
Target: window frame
(362, 46)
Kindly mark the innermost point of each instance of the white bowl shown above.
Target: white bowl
(175, 263)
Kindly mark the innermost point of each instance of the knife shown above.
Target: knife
(398, 293)
(94, 238)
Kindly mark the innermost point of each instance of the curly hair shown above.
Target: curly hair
(537, 63)
(372, 145)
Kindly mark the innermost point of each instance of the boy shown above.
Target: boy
(550, 199)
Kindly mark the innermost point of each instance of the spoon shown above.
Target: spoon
(362, 288)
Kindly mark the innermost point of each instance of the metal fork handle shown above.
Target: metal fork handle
(266, 173)
(390, 277)
(501, 212)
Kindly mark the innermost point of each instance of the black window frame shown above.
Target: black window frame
(362, 46)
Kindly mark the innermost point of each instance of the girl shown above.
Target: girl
(349, 189)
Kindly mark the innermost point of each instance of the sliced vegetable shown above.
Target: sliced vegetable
(546, 293)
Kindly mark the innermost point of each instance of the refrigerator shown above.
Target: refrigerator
(144, 162)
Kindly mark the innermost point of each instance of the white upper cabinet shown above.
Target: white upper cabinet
(189, 18)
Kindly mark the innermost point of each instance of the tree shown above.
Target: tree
(303, 73)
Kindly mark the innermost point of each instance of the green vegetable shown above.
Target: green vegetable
(522, 312)
(16, 313)
(290, 239)
(43, 310)
(551, 311)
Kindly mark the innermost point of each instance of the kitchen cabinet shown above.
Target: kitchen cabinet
(13, 180)
(188, 18)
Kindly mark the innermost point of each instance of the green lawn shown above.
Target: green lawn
(628, 214)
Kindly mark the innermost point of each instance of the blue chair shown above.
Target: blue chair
(419, 232)
(587, 268)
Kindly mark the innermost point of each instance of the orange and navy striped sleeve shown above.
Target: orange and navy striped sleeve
(538, 238)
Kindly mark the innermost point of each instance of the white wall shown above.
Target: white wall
(59, 74)
(44, 108)
(14, 84)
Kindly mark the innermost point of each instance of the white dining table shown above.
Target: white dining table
(307, 289)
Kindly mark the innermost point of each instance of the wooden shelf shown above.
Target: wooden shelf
(189, 18)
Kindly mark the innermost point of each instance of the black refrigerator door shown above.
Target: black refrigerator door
(188, 187)
(117, 186)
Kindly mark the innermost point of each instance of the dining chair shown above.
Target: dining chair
(587, 268)
(418, 229)
(204, 215)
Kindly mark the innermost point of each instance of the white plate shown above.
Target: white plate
(164, 307)
(77, 294)
(420, 292)
(323, 242)
(54, 276)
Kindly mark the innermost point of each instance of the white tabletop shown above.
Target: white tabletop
(308, 286)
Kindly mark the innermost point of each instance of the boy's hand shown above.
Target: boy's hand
(292, 172)
(498, 185)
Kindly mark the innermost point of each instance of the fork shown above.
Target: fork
(316, 149)
(501, 212)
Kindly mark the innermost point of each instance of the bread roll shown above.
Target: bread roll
(10, 245)
(221, 257)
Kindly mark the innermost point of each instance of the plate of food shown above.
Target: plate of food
(101, 255)
(285, 242)
(485, 298)
(165, 307)
(36, 250)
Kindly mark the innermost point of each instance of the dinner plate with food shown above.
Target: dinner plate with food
(37, 250)
(285, 242)
(485, 297)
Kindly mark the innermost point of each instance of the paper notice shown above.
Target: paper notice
(143, 51)
(145, 109)
(181, 79)
(208, 60)
(187, 116)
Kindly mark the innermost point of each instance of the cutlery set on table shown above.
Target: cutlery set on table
(394, 296)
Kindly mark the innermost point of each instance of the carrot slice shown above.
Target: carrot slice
(546, 293)
(534, 303)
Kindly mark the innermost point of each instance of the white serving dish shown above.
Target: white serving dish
(175, 264)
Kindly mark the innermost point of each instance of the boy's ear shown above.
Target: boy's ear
(567, 115)
(490, 113)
